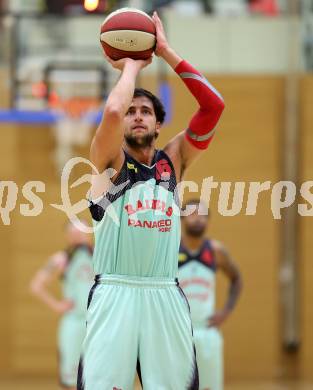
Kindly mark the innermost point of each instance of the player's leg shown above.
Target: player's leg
(209, 346)
(166, 350)
(110, 348)
(71, 336)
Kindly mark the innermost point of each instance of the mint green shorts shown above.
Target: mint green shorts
(209, 348)
(138, 324)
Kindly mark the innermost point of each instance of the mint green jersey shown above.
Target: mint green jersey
(137, 224)
(78, 278)
(196, 277)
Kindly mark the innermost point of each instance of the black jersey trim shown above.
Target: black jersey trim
(131, 173)
(206, 245)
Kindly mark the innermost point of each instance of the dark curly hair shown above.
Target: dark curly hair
(157, 104)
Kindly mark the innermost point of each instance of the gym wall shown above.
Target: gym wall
(247, 147)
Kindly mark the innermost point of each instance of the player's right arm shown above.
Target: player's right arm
(106, 147)
(227, 265)
(39, 285)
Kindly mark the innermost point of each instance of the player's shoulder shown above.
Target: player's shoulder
(59, 257)
(217, 246)
(58, 261)
(171, 149)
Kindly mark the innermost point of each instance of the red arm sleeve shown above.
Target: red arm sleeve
(202, 125)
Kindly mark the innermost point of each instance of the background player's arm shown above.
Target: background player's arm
(40, 283)
(106, 146)
(226, 264)
(188, 144)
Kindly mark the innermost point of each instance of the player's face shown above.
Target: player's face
(195, 225)
(141, 126)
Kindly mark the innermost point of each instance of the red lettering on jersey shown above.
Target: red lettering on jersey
(153, 204)
(164, 225)
(147, 224)
(131, 222)
(129, 209)
(169, 211)
(138, 223)
(163, 170)
(198, 296)
(197, 281)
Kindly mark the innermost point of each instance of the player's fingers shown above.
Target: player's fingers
(146, 62)
(159, 21)
(156, 18)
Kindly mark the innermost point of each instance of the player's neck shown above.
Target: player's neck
(193, 243)
(143, 154)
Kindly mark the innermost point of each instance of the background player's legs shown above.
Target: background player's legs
(71, 335)
(209, 347)
(110, 348)
(166, 350)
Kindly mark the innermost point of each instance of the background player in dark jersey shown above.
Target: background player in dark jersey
(138, 317)
(73, 267)
(199, 259)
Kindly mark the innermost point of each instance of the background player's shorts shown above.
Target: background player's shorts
(209, 349)
(141, 323)
(72, 331)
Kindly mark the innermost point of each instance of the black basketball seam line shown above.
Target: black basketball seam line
(128, 51)
(127, 29)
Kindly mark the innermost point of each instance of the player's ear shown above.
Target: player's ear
(158, 127)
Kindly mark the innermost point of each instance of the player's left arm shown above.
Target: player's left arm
(188, 144)
(227, 265)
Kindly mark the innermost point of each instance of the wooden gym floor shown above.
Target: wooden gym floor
(50, 384)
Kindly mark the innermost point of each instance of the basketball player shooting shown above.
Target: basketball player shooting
(138, 317)
(199, 260)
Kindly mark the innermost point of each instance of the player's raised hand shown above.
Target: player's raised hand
(123, 62)
(161, 43)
